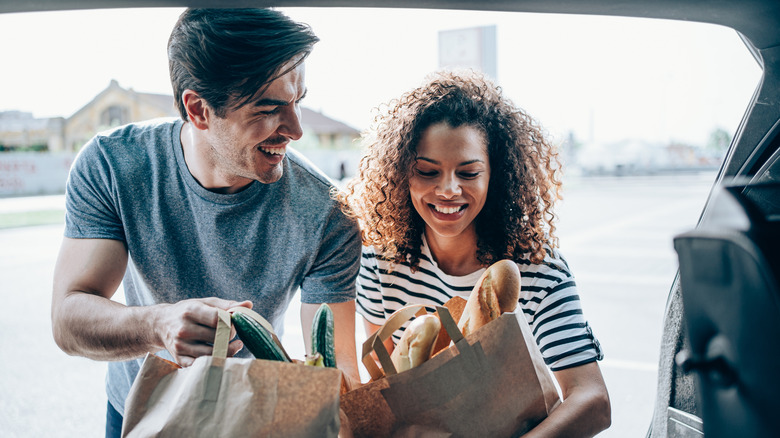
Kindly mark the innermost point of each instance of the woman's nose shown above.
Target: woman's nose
(448, 187)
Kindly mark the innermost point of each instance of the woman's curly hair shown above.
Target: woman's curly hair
(517, 219)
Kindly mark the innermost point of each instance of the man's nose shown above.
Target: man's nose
(291, 123)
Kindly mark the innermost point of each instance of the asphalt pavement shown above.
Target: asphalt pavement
(616, 234)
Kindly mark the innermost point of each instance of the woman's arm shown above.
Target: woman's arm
(585, 410)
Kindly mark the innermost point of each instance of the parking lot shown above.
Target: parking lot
(615, 232)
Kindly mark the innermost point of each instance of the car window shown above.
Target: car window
(643, 110)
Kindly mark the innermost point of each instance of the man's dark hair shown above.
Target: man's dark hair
(229, 56)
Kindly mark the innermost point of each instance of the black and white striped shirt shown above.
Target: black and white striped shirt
(548, 299)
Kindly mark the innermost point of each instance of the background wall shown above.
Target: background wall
(45, 173)
(34, 173)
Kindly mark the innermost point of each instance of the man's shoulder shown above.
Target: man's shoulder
(306, 171)
(137, 132)
(129, 147)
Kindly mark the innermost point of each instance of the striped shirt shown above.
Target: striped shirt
(548, 299)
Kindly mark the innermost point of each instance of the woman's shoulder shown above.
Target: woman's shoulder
(372, 255)
(553, 264)
(372, 258)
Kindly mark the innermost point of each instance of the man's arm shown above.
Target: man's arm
(86, 322)
(344, 334)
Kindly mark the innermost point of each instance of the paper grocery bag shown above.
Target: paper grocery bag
(491, 383)
(232, 397)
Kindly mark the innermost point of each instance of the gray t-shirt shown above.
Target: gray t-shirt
(260, 244)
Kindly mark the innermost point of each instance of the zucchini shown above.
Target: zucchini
(322, 337)
(314, 360)
(256, 338)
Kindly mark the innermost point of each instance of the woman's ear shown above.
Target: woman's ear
(198, 111)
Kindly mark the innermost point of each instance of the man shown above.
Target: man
(210, 211)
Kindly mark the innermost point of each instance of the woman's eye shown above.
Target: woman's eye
(469, 175)
(426, 174)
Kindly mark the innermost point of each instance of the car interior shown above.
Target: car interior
(728, 269)
(716, 363)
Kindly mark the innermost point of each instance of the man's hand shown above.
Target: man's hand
(187, 328)
(86, 322)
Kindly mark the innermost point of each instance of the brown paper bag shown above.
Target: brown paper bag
(491, 383)
(232, 397)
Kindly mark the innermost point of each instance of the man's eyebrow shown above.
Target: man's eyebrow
(277, 102)
(271, 102)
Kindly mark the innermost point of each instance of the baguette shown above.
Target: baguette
(416, 343)
(497, 291)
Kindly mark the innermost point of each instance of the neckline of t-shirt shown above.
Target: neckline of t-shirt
(192, 183)
(455, 279)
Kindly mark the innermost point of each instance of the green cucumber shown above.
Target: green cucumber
(256, 338)
(322, 337)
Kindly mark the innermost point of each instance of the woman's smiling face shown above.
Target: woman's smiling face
(450, 178)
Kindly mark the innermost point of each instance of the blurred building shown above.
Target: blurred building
(473, 47)
(21, 131)
(640, 157)
(45, 147)
(114, 106)
(117, 106)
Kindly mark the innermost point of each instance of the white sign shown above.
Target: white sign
(473, 47)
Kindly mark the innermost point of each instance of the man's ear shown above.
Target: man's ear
(198, 111)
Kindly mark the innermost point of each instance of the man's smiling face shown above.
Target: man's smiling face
(249, 143)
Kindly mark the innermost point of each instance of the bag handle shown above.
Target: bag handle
(376, 342)
(222, 337)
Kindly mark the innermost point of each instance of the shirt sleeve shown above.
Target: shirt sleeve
(369, 289)
(562, 333)
(90, 197)
(332, 277)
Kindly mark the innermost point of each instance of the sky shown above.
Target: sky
(602, 79)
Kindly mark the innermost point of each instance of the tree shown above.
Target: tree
(719, 141)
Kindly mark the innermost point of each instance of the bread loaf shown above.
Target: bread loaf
(497, 291)
(416, 343)
(455, 306)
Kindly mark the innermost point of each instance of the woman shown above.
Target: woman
(454, 179)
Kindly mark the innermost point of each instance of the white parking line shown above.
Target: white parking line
(630, 365)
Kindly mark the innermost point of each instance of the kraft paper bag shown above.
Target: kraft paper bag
(232, 397)
(491, 383)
